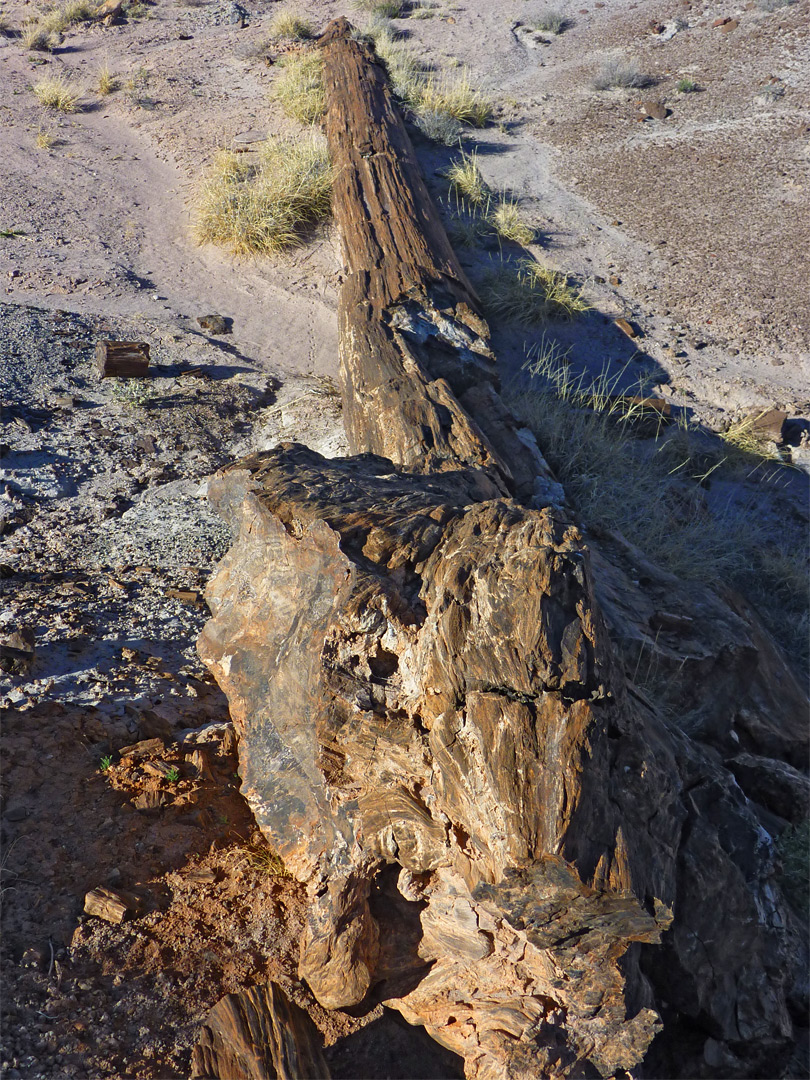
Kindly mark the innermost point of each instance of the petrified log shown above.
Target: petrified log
(258, 1035)
(412, 340)
(424, 681)
(494, 827)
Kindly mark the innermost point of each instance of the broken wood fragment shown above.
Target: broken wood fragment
(144, 749)
(122, 359)
(258, 1035)
(111, 905)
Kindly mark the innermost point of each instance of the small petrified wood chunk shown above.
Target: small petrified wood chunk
(258, 1035)
(122, 359)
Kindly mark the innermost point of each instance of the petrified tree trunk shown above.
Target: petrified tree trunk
(434, 733)
(412, 340)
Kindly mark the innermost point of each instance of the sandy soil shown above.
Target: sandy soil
(700, 219)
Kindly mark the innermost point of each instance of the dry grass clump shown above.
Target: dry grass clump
(529, 293)
(45, 139)
(422, 9)
(654, 492)
(620, 73)
(38, 39)
(289, 26)
(59, 18)
(57, 92)
(299, 88)
(742, 437)
(505, 219)
(406, 72)
(466, 179)
(551, 22)
(438, 126)
(107, 81)
(264, 204)
(453, 95)
(386, 9)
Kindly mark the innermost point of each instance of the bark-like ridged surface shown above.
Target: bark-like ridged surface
(412, 340)
(258, 1035)
(501, 837)
(423, 680)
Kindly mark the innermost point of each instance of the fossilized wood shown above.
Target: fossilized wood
(500, 835)
(111, 905)
(122, 359)
(423, 680)
(258, 1035)
(412, 339)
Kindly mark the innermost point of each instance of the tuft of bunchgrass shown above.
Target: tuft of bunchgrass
(406, 72)
(422, 9)
(387, 9)
(620, 73)
(57, 92)
(466, 178)
(686, 85)
(106, 81)
(44, 139)
(653, 491)
(58, 18)
(551, 22)
(299, 88)
(453, 95)
(505, 219)
(264, 205)
(742, 437)
(39, 39)
(289, 26)
(438, 126)
(530, 293)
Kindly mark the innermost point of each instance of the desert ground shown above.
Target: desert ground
(693, 229)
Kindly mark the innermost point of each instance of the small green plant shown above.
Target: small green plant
(107, 82)
(136, 86)
(57, 92)
(620, 73)
(132, 393)
(106, 763)
(172, 775)
(299, 88)
(466, 178)
(686, 85)
(794, 853)
(9, 234)
(289, 26)
(551, 22)
(530, 293)
(774, 5)
(505, 219)
(265, 205)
